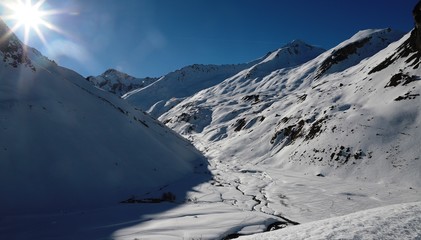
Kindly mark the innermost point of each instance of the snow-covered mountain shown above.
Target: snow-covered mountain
(174, 87)
(119, 83)
(65, 144)
(299, 136)
(348, 112)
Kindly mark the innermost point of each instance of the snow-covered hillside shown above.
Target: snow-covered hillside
(334, 114)
(119, 83)
(174, 87)
(171, 89)
(399, 221)
(65, 144)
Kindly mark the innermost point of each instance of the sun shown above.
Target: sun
(29, 16)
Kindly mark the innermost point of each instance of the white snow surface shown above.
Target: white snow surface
(401, 221)
(174, 87)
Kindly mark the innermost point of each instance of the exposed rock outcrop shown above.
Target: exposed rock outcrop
(416, 35)
(410, 49)
(12, 51)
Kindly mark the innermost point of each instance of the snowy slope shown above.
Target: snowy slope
(119, 83)
(174, 87)
(171, 89)
(65, 144)
(332, 115)
(399, 221)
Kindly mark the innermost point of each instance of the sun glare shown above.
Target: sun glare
(29, 16)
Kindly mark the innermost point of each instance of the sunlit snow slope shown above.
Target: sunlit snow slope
(400, 221)
(353, 111)
(65, 144)
(174, 87)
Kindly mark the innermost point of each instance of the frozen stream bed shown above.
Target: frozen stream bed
(239, 200)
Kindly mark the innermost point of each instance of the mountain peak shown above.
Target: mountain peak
(12, 49)
(292, 54)
(113, 72)
(361, 45)
(119, 83)
(296, 43)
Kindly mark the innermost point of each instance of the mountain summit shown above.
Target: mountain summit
(12, 49)
(118, 82)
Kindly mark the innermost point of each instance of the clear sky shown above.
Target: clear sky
(154, 37)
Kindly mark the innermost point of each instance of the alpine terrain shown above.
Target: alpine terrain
(340, 114)
(171, 89)
(303, 143)
(65, 145)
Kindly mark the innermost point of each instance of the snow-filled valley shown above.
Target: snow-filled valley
(303, 143)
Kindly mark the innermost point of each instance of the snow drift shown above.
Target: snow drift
(400, 221)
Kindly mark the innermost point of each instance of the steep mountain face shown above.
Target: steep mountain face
(360, 46)
(338, 114)
(171, 89)
(119, 83)
(65, 144)
(13, 52)
(416, 35)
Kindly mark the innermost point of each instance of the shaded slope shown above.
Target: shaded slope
(65, 144)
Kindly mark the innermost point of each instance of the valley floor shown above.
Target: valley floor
(240, 200)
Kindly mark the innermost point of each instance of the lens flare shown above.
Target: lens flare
(30, 16)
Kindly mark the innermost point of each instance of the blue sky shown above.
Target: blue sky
(154, 37)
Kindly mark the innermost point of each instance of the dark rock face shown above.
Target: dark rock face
(340, 55)
(401, 78)
(410, 49)
(13, 51)
(417, 32)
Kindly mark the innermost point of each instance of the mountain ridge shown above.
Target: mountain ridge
(118, 82)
